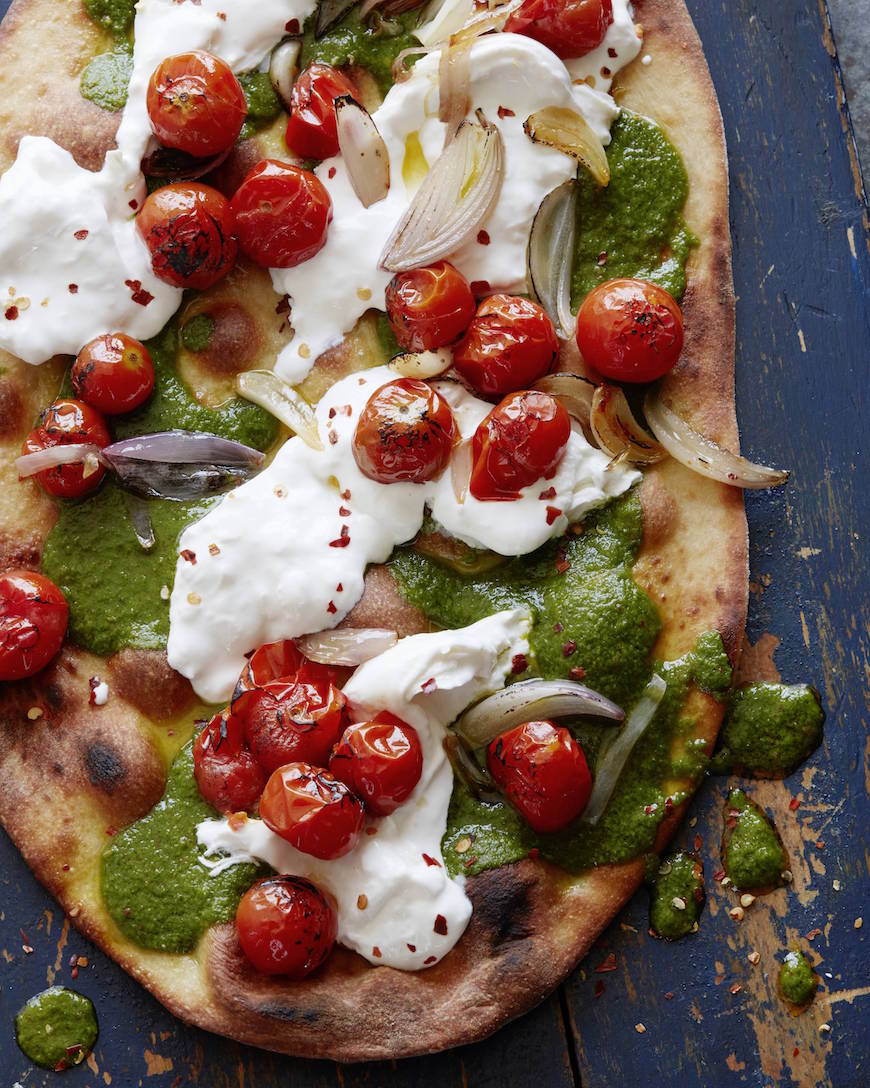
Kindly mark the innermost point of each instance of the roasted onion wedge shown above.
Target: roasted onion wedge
(616, 430)
(347, 645)
(567, 131)
(574, 393)
(551, 254)
(422, 364)
(363, 150)
(282, 400)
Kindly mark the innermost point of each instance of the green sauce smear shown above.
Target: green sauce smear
(106, 79)
(753, 856)
(263, 104)
(797, 981)
(112, 585)
(196, 334)
(154, 886)
(677, 896)
(770, 729)
(116, 16)
(352, 42)
(57, 1028)
(636, 220)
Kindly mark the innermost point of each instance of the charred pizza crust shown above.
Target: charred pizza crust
(72, 774)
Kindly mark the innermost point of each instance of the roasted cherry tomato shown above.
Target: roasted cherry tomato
(286, 926)
(282, 214)
(429, 307)
(188, 229)
(312, 810)
(543, 773)
(405, 432)
(227, 774)
(33, 617)
(380, 760)
(196, 104)
(113, 373)
(272, 661)
(65, 423)
(571, 28)
(311, 127)
(521, 440)
(510, 343)
(630, 330)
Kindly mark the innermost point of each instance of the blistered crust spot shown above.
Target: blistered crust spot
(145, 679)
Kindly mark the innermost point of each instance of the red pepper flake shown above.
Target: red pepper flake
(698, 893)
(480, 287)
(569, 647)
(503, 112)
(813, 933)
(74, 1049)
(550, 493)
(553, 512)
(343, 540)
(331, 413)
(794, 804)
(339, 588)
(283, 306)
(222, 15)
(577, 673)
(80, 235)
(292, 26)
(344, 512)
(719, 876)
(432, 862)
(430, 959)
(111, 831)
(562, 564)
(669, 996)
(332, 172)
(27, 949)
(65, 867)
(188, 556)
(428, 686)
(138, 292)
(599, 987)
(483, 237)
(134, 204)
(471, 861)
(412, 948)
(61, 1065)
(331, 609)
(608, 964)
(73, 288)
(346, 495)
(698, 842)
(333, 437)
(376, 952)
(557, 628)
(736, 988)
(602, 258)
(519, 663)
(11, 313)
(648, 810)
(669, 804)
(440, 926)
(533, 854)
(796, 1051)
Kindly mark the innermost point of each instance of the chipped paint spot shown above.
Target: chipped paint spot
(802, 341)
(805, 630)
(808, 553)
(733, 1064)
(51, 972)
(756, 660)
(850, 234)
(156, 1063)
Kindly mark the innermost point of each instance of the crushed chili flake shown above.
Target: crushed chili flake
(376, 952)
(138, 292)
(562, 565)
(74, 1049)
(430, 959)
(648, 810)
(669, 996)
(11, 313)
(343, 512)
(599, 987)
(412, 948)
(339, 588)
(346, 495)
(569, 647)
(669, 804)
(794, 804)
(73, 288)
(611, 52)
(111, 830)
(533, 853)
(553, 512)
(432, 862)
(519, 663)
(283, 305)
(607, 964)
(27, 949)
(698, 842)
(331, 609)
(188, 556)
(343, 540)
(813, 933)
(332, 172)
(503, 112)
(440, 926)
(237, 820)
(333, 437)
(471, 861)
(736, 988)
(550, 493)
(602, 258)
(428, 686)
(80, 235)
(331, 413)
(557, 628)
(483, 237)
(134, 204)
(577, 673)
(796, 1051)
(292, 26)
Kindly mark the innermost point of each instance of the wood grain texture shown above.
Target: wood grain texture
(803, 280)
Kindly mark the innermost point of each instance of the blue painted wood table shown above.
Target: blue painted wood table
(638, 1010)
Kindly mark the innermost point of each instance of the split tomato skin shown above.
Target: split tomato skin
(286, 926)
(510, 343)
(571, 28)
(228, 776)
(430, 307)
(312, 131)
(188, 229)
(543, 772)
(405, 433)
(630, 330)
(195, 104)
(380, 760)
(281, 214)
(522, 440)
(113, 373)
(312, 810)
(68, 422)
(33, 620)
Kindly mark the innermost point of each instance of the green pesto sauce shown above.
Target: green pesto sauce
(106, 79)
(770, 729)
(797, 982)
(753, 856)
(116, 16)
(196, 334)
(636, 220)
(263, 104)
(352, 42)
(677, 896)
(614, 625)
(112, 584)
(57, 1028)
(154, 886)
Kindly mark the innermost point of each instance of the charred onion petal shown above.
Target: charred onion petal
(72, 453)
(617, 748)
(475, 778)
(347, 646)
(574, 393)
(328, 14)
(276, 396)
(460, 469)
(551, 254)
(702, 455)
(567, 131)
(455, 200)
(167, 162)
(422, 364)
(284, 67)
(389, 7)
(363, 150)
(454, 84)
(398, 70)
(180, 464)
(616, 430)
(531, 700)
(140, 519)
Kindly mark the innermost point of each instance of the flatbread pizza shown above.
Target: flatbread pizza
(224, 535)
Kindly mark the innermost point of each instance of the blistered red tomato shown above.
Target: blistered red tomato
(195, 104)
(286, 926)
(521, 440)
(282, 214)
(630, 330)
(113, 373)
(312, 810)
(188, 228)
(510, 343)
(571, 28)
(405, 433)
(65, 423)
(543, 773)
(33, 618)
(272, 661)
(429, 307)
(311, 128)
(380, 760)
(227, 774)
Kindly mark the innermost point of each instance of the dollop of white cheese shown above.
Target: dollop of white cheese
(285, 554)
(512, 76)
(396, 904)
(621, 45)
